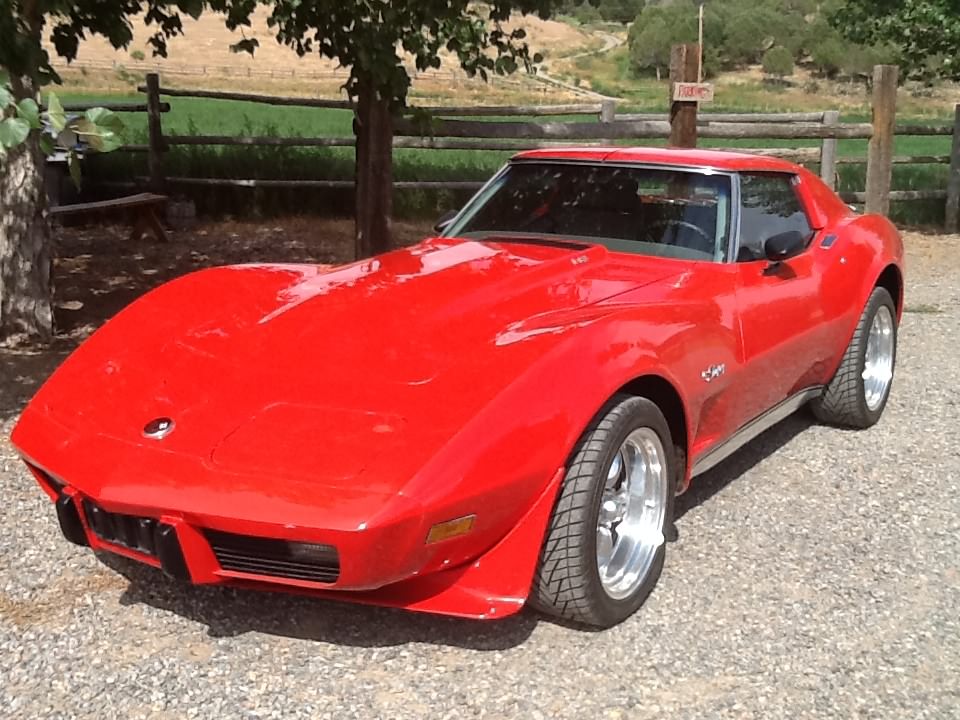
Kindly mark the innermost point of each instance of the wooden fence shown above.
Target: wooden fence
(521, 128)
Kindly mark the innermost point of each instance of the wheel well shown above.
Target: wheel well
(665, 396)
(892, 282)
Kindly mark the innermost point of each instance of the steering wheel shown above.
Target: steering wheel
(682, 223)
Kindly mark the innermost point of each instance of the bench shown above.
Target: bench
(142, 208)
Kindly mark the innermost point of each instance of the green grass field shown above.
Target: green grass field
(191, 116)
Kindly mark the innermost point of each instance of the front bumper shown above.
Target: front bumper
(495, 585)
(214, 550)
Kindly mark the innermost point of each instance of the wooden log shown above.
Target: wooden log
(706, 118)
(901, 160)
(953, 180)
(784, 131)
(798, 155)
(319, 184)
(905, 129)
(412, 143)
(684, 66)
(896, 195)
(880, 151)
(155, 133)
(252, 140)
(828, 151)
(466, 144)
(264, 99)
(506, 110)
(114, 107)
(534, 130)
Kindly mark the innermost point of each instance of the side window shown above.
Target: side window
(768, 206)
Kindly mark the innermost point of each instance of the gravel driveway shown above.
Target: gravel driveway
(817, 575)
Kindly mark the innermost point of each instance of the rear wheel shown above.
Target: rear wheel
(858, 392)
(604, 548)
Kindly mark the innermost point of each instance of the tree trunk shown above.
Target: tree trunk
(26, 311)
(373, 125)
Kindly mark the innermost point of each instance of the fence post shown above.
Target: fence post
(608, 110)
(155, 129)
(953, 182)
(683, 115)
(828, 151)
(880, 152)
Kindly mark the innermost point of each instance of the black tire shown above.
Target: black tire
(844, 400)
(567, 582)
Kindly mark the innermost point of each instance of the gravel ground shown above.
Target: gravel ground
(816, 576)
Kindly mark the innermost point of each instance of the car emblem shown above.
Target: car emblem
(158, 429)
(713, 372)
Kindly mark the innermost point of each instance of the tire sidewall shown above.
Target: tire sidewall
(640, 413)
(879, 298)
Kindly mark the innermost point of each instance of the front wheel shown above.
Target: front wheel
(858, 392)
(604, 548)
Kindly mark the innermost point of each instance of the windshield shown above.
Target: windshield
(667, 212)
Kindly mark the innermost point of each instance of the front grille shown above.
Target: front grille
(276, 558)
(130, 531)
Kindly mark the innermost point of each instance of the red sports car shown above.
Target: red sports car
(499, 415)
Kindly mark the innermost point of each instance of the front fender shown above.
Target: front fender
(503, 460)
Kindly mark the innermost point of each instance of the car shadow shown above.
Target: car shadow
(232, 612)
(757, 450)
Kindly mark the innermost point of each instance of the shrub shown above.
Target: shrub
(778, 61)
(829, 56)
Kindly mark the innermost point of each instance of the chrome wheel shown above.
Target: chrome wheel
(878, 361)
(632, 513)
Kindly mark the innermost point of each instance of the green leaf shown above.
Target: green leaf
(6, 98)
(55, 113)
(101, 128)
(13, 131)
(4, 78)
(106, 120)
(73, 161)
(28, 110)
(47, 144)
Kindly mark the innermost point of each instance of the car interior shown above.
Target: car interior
(636, 210)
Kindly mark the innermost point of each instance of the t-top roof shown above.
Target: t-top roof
(683, 157)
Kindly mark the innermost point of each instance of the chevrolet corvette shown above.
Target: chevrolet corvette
(499, 415)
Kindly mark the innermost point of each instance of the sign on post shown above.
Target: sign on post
(692, 92)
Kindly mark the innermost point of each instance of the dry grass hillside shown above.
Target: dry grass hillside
(202, 58)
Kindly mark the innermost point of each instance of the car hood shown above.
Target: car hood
(354, 375)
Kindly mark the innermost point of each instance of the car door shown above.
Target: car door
(781, 318)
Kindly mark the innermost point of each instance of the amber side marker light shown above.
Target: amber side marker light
(450, 529)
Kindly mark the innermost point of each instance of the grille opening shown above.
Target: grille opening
(275, 558)
(129, 531)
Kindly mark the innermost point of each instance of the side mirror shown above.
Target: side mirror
(784, 246)
(444, 222)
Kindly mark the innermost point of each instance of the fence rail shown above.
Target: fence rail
(522, 127)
